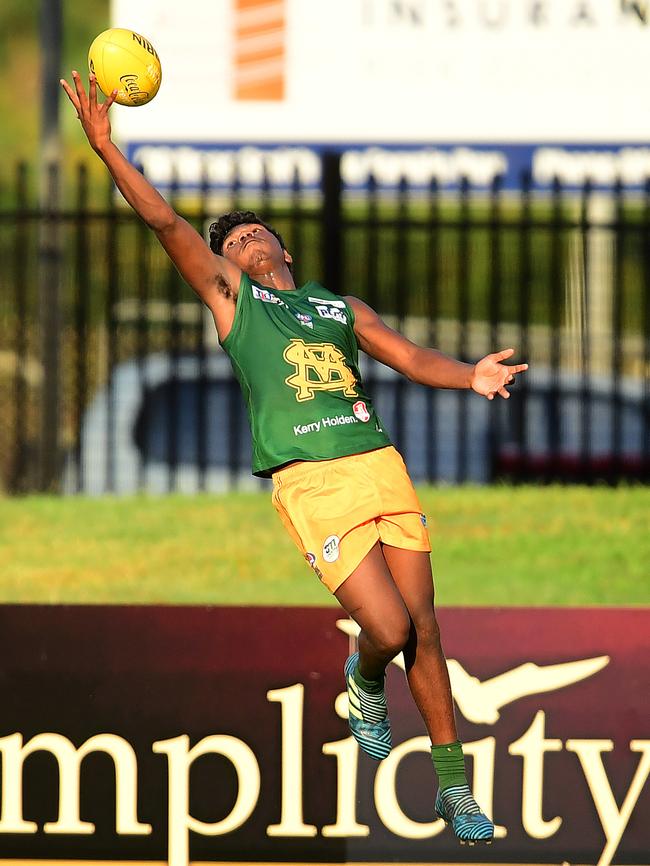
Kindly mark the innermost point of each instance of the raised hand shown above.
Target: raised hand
(92, 114)
(491, 376)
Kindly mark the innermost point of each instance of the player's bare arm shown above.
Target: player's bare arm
(430, 367)
(214, 279)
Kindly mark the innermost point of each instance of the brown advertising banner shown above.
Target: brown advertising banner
(219, 734)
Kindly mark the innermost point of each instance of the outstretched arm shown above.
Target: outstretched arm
(428, 366)
(213, 278)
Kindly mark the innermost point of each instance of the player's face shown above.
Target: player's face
(251, 246)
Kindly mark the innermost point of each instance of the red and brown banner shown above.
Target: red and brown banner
(219, 734)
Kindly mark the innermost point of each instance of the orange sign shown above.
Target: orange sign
(259, 49)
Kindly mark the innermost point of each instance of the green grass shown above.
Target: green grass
(492, 546)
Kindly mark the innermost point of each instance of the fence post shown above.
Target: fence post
(50, 249)
(332, 214)
(18, 480)
(50, 262)
(81, 315)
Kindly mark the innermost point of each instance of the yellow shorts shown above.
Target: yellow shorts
(336, 510)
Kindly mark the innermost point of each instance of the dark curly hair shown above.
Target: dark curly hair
(228, 221)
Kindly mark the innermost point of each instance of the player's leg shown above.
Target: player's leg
(426, 668)
(370, 597)
(428, 679)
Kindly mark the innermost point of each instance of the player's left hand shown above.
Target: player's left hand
(491, 376)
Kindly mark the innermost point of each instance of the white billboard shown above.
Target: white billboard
(393, 71)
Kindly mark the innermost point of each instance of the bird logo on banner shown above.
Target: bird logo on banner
(480, 701)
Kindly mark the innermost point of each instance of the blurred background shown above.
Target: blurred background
(431, 161)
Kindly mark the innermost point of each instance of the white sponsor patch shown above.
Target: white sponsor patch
(332, 313)
(304, 319)
(330, 309)
(266, 296)
(361, 411)
(340, 304)
(331, 548)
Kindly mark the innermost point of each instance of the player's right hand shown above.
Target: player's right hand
(92, 114)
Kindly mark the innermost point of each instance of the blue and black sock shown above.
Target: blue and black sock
(372, 699)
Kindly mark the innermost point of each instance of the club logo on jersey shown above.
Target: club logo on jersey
(331, 548)
(330, 309)
(266, 296)
(318, 367)
(305, 319)
(361, 411)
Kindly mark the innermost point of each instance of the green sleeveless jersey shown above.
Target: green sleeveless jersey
(295, 355)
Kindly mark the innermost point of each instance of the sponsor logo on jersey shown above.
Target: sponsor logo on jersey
(361, 411)
(327, 421)
(266, 296)
(331, 548)
(305, 319)
(330, 309)
(328, 303)
(423, 519)
(318, 367)
(312, 427)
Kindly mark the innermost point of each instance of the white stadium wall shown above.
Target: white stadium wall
(394, 71)
(420, 88)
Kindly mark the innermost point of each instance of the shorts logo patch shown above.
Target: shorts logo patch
(331, 548)
(423, 518)
(361, 411)
(311, 559)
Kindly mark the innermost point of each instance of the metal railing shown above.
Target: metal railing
(121, 385)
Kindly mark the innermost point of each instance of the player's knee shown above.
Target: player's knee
(426, 628)
(389, 639)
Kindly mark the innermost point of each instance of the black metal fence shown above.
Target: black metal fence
(111, 378)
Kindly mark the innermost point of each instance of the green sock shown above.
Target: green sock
(371, 687)
(449, 763)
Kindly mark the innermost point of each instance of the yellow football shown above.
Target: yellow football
(127, 62)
